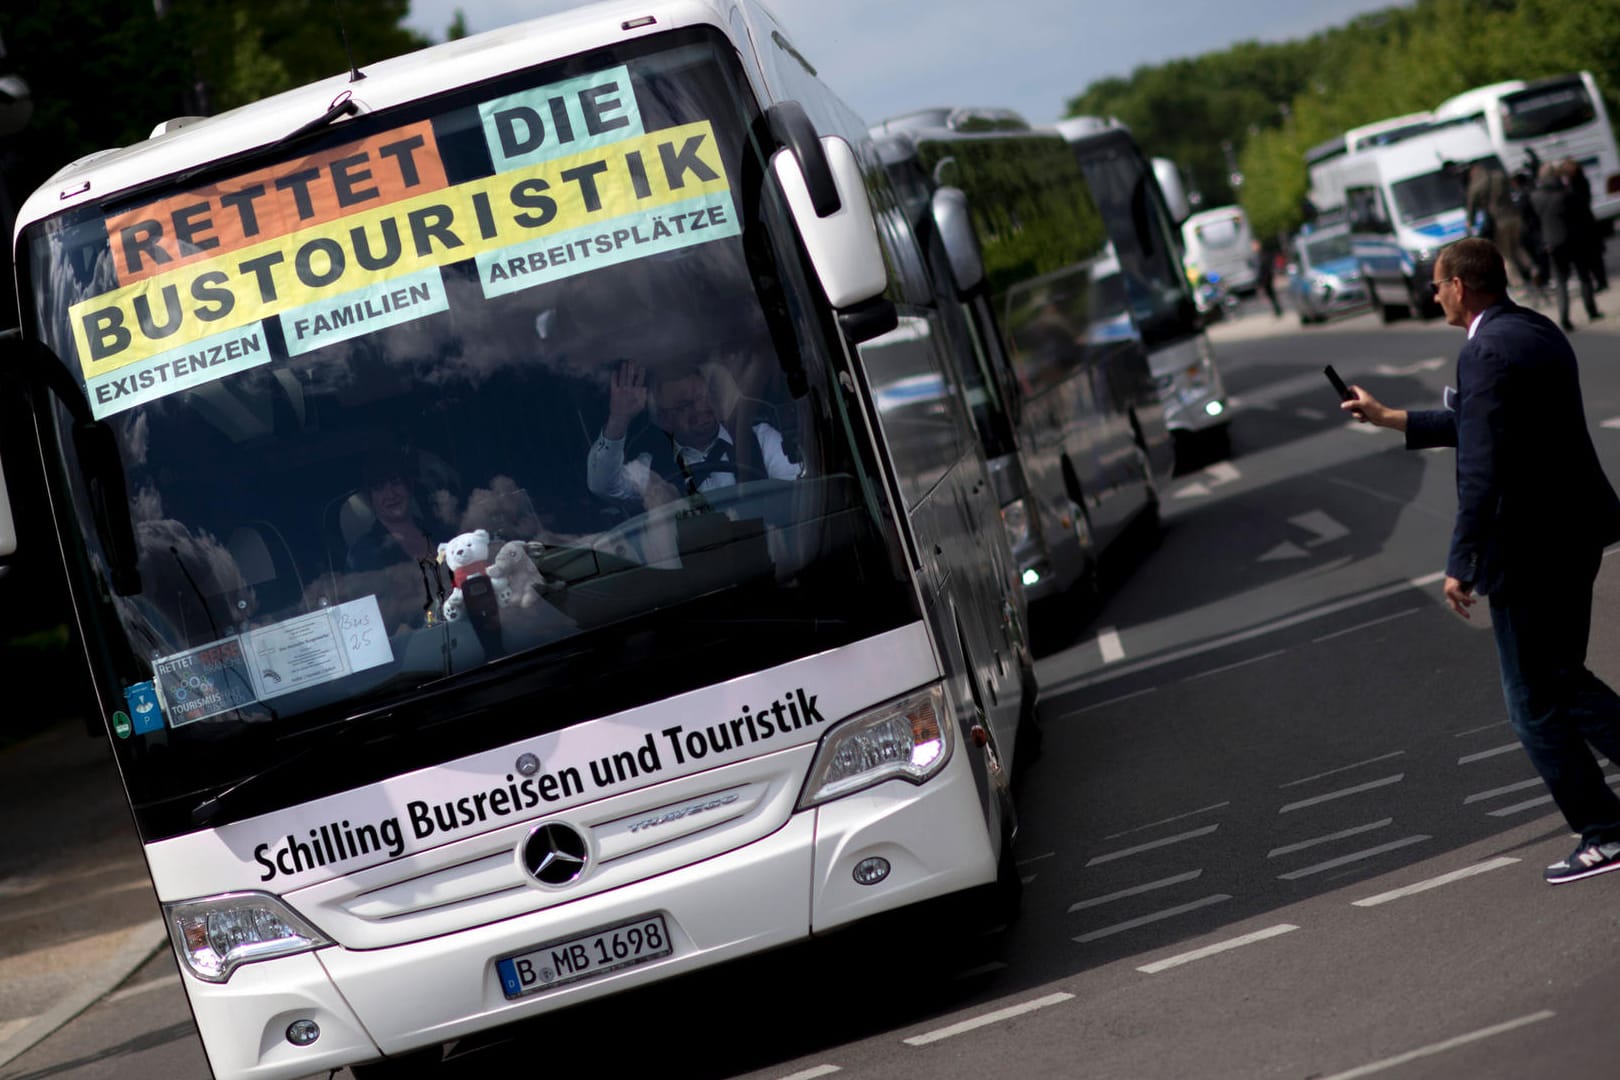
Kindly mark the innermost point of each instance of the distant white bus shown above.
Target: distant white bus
(1558, 117)
(1220, 246)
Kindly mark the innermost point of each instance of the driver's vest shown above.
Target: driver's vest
(717, 462)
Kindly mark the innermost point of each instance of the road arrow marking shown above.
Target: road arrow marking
(1284, 550)
(1324, 527)
(1613, 422)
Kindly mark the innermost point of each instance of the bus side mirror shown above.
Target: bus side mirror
(1175, 196)
(826, 194)
(955, 224)
(97, 450)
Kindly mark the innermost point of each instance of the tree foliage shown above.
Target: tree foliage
(1270, 103)
(104, 73)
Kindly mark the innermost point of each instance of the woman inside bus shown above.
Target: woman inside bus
(398, 532)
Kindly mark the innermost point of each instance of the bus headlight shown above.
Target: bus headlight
(216, 935)
(1015, 519)
(908, 738)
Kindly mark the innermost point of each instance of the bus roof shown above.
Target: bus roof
(1391, 129)
(1473, 101)
(1326, 150)
(387, 83)
(1419, 154)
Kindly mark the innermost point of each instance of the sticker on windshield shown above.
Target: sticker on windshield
(178, 369)
(349, 241)
(204, 682)
(318, 648)
(270, 661)
(562, 118)
(144, 707)
(364, 311)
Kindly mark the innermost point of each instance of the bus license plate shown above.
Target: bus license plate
(584, 957)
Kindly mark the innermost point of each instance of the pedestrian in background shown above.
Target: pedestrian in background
(1534, 512)
(1489, 200)
(1523, 183)
(1583, 223)
(1553, 201)
(1266, 253)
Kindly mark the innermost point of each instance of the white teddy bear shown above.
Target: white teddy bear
(467, 555)
(516, 579)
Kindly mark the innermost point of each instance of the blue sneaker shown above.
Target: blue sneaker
(1588, 860)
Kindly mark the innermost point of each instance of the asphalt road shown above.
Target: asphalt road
(1280, 827)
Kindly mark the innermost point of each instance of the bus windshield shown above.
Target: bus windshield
(1547, 109)
(510, 392)
(1431, 194)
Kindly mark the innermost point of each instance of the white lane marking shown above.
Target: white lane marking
(1342, 768)
(1507, 789)
(1113, 701)
(1285, 550)
(812, 1073)
(1355, 856)
(1322, 528)
(131, 991)
(1219, 947)
(1505, 748)
(1436, 882)
(1168, 820)
(1433, 363)
(1542, 800)
(1477, 730)
(1263, 629)
(1612, 422)
(1035, 858)
(1231, 667)
(988, 1018)
(1441, 1047)
(1134, 890)
(1310, 414)
(1363, 428)
(1343, 793)
(1222, 472)
(1151, 844)
(1108, 643)
(1189, 491)
(1369, 623)
(1167, 913)
(1289, 849)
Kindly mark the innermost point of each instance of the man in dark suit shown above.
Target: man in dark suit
(1534, 512)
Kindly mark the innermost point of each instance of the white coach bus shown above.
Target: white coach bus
(424, 730)
(1558, 117)
(1065, 398)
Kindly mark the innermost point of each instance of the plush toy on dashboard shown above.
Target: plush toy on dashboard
(516, 579)
(467, 556)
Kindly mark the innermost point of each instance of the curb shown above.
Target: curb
(141, 945)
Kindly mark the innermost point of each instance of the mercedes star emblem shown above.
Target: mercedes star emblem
(554, 854)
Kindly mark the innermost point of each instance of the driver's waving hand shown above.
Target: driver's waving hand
(699, 453)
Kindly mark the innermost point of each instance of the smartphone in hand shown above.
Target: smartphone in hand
(1338, 383)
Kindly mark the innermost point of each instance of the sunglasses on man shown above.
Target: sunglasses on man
(1434, 286)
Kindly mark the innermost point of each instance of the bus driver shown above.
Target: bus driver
(700, 454)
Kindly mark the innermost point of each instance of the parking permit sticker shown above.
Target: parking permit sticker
(144, 706)
(205, 682)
